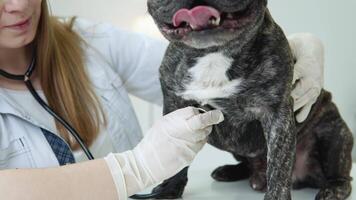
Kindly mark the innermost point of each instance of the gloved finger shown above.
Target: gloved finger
(309, 97)
(204, 120)
(297, 74)
(199, 145)
(301, 87)
(302, 90)
(186, 112)
(202, 135)
(304, 112)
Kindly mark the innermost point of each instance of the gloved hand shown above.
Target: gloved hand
(169, 146)
(308, 52)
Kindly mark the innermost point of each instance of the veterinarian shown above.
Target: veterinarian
(84, 72)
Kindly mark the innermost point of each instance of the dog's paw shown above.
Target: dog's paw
(229, 173)
(338, 191)
(258, 181)
(170, 189)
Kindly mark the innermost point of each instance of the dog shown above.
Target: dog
(231, 55)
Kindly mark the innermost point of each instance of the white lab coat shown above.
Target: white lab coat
(118, 63)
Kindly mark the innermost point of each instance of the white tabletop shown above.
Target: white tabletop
(202, 187)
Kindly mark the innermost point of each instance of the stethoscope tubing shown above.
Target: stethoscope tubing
(28, 83)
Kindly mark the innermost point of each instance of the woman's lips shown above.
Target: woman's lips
(21, 26)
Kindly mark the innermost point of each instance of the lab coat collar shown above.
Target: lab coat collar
(9, 107)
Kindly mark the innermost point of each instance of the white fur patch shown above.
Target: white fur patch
(210, 80)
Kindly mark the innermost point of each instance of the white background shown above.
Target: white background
(331, 20)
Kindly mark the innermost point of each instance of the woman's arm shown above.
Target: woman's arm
(137, 58)
(87, 180)
(181, 134)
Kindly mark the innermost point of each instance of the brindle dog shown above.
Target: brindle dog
(231, 55)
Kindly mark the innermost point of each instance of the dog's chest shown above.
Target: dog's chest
(208, 79)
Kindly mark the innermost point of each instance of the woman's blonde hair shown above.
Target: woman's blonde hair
(64, 80)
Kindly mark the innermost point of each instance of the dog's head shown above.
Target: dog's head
(207, 23)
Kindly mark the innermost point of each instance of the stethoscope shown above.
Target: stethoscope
(27, 80)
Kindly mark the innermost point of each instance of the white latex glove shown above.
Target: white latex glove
(308, 52)
(169, 146)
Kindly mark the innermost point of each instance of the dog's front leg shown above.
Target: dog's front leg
(281, 143)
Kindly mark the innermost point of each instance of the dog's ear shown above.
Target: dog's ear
(265, 2)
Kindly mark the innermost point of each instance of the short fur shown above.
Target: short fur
(259, 127)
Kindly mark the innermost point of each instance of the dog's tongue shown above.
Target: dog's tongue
(197, 18)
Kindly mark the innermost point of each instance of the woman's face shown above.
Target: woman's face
(18, 22)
